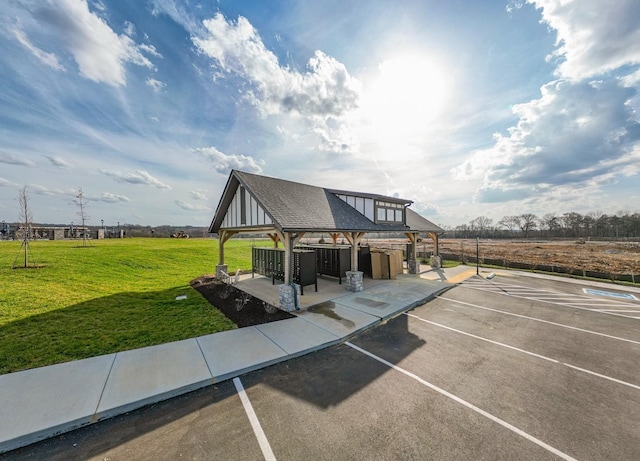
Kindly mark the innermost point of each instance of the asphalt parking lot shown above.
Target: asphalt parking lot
(508, 368)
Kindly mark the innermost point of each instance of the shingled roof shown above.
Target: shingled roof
(418, 223)
(295, 207)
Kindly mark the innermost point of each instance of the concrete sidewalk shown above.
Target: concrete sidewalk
(43, 402)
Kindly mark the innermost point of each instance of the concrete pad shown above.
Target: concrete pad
(379, 306)
(394, 297)
(337, 318)
(298, 336)
(43, 402)
(143, 376)
(235, 352)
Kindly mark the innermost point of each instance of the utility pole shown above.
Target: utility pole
(477, 255)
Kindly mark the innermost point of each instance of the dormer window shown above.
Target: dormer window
(387, 212)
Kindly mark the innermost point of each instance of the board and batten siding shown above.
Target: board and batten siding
(361, 204)
(244, 211)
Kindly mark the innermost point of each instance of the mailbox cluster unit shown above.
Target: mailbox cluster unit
(308, 262)
(332, 261)
(270, 263)
(335, 261)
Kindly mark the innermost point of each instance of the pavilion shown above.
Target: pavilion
(286, 211)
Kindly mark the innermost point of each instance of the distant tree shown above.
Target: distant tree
(588, 223)
(26, 219)
(511, 223)
(462, 230)
(527, 222)
(572, 221)
(597, 222)
(81, 203)
(481, 224)
(629, 224)
(551, 222)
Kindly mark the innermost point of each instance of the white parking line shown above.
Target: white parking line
(538, 294)
(549, 359)
(540, 320)
(480, 411)
(539, 297)
(253, 419)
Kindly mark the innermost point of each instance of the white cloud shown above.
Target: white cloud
(190, 207)
(138, 177)
(6, 183)
(44, 190)
(583, 133)
(339, 140)
(100, 53)
(150, 49)
(326, 89)
(325, 95)
(129, 28)
(11, 159)
(224, 163)
(594, 36)
(198, 195)
(49, 59)
(156, 85)
(57, 161)
(108, 197)
(631, 80)
(177, 13)
(575, 133)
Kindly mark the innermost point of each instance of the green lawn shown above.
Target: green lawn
(110, 296)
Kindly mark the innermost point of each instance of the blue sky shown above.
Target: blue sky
(468, 108)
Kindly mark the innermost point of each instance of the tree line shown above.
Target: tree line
(24, 228)
(597, 225)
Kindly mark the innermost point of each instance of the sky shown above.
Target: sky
(468, 108)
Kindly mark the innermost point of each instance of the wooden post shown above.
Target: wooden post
(413, 238)
(354, 239)
(284, 238)
(413, 266)
(434, 237)
(223, 236)
(289, 240)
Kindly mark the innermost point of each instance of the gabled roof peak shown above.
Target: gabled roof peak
(295, 206)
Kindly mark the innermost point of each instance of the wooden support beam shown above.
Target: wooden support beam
(297, 237)
(275, 239)
(334, 236)
(223, 236)
(436, 244)
(413, 238)
(287, 241)
(354, 239)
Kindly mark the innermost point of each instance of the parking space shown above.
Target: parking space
(473, 374)
(610, 299)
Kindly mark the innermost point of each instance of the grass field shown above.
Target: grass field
(110, 296)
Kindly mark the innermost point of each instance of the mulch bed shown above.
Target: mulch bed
(238, 306)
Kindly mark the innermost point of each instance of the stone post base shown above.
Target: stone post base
(354, 281)
(286, 298)
(222, 268)
(413, 267)
(436, 262)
